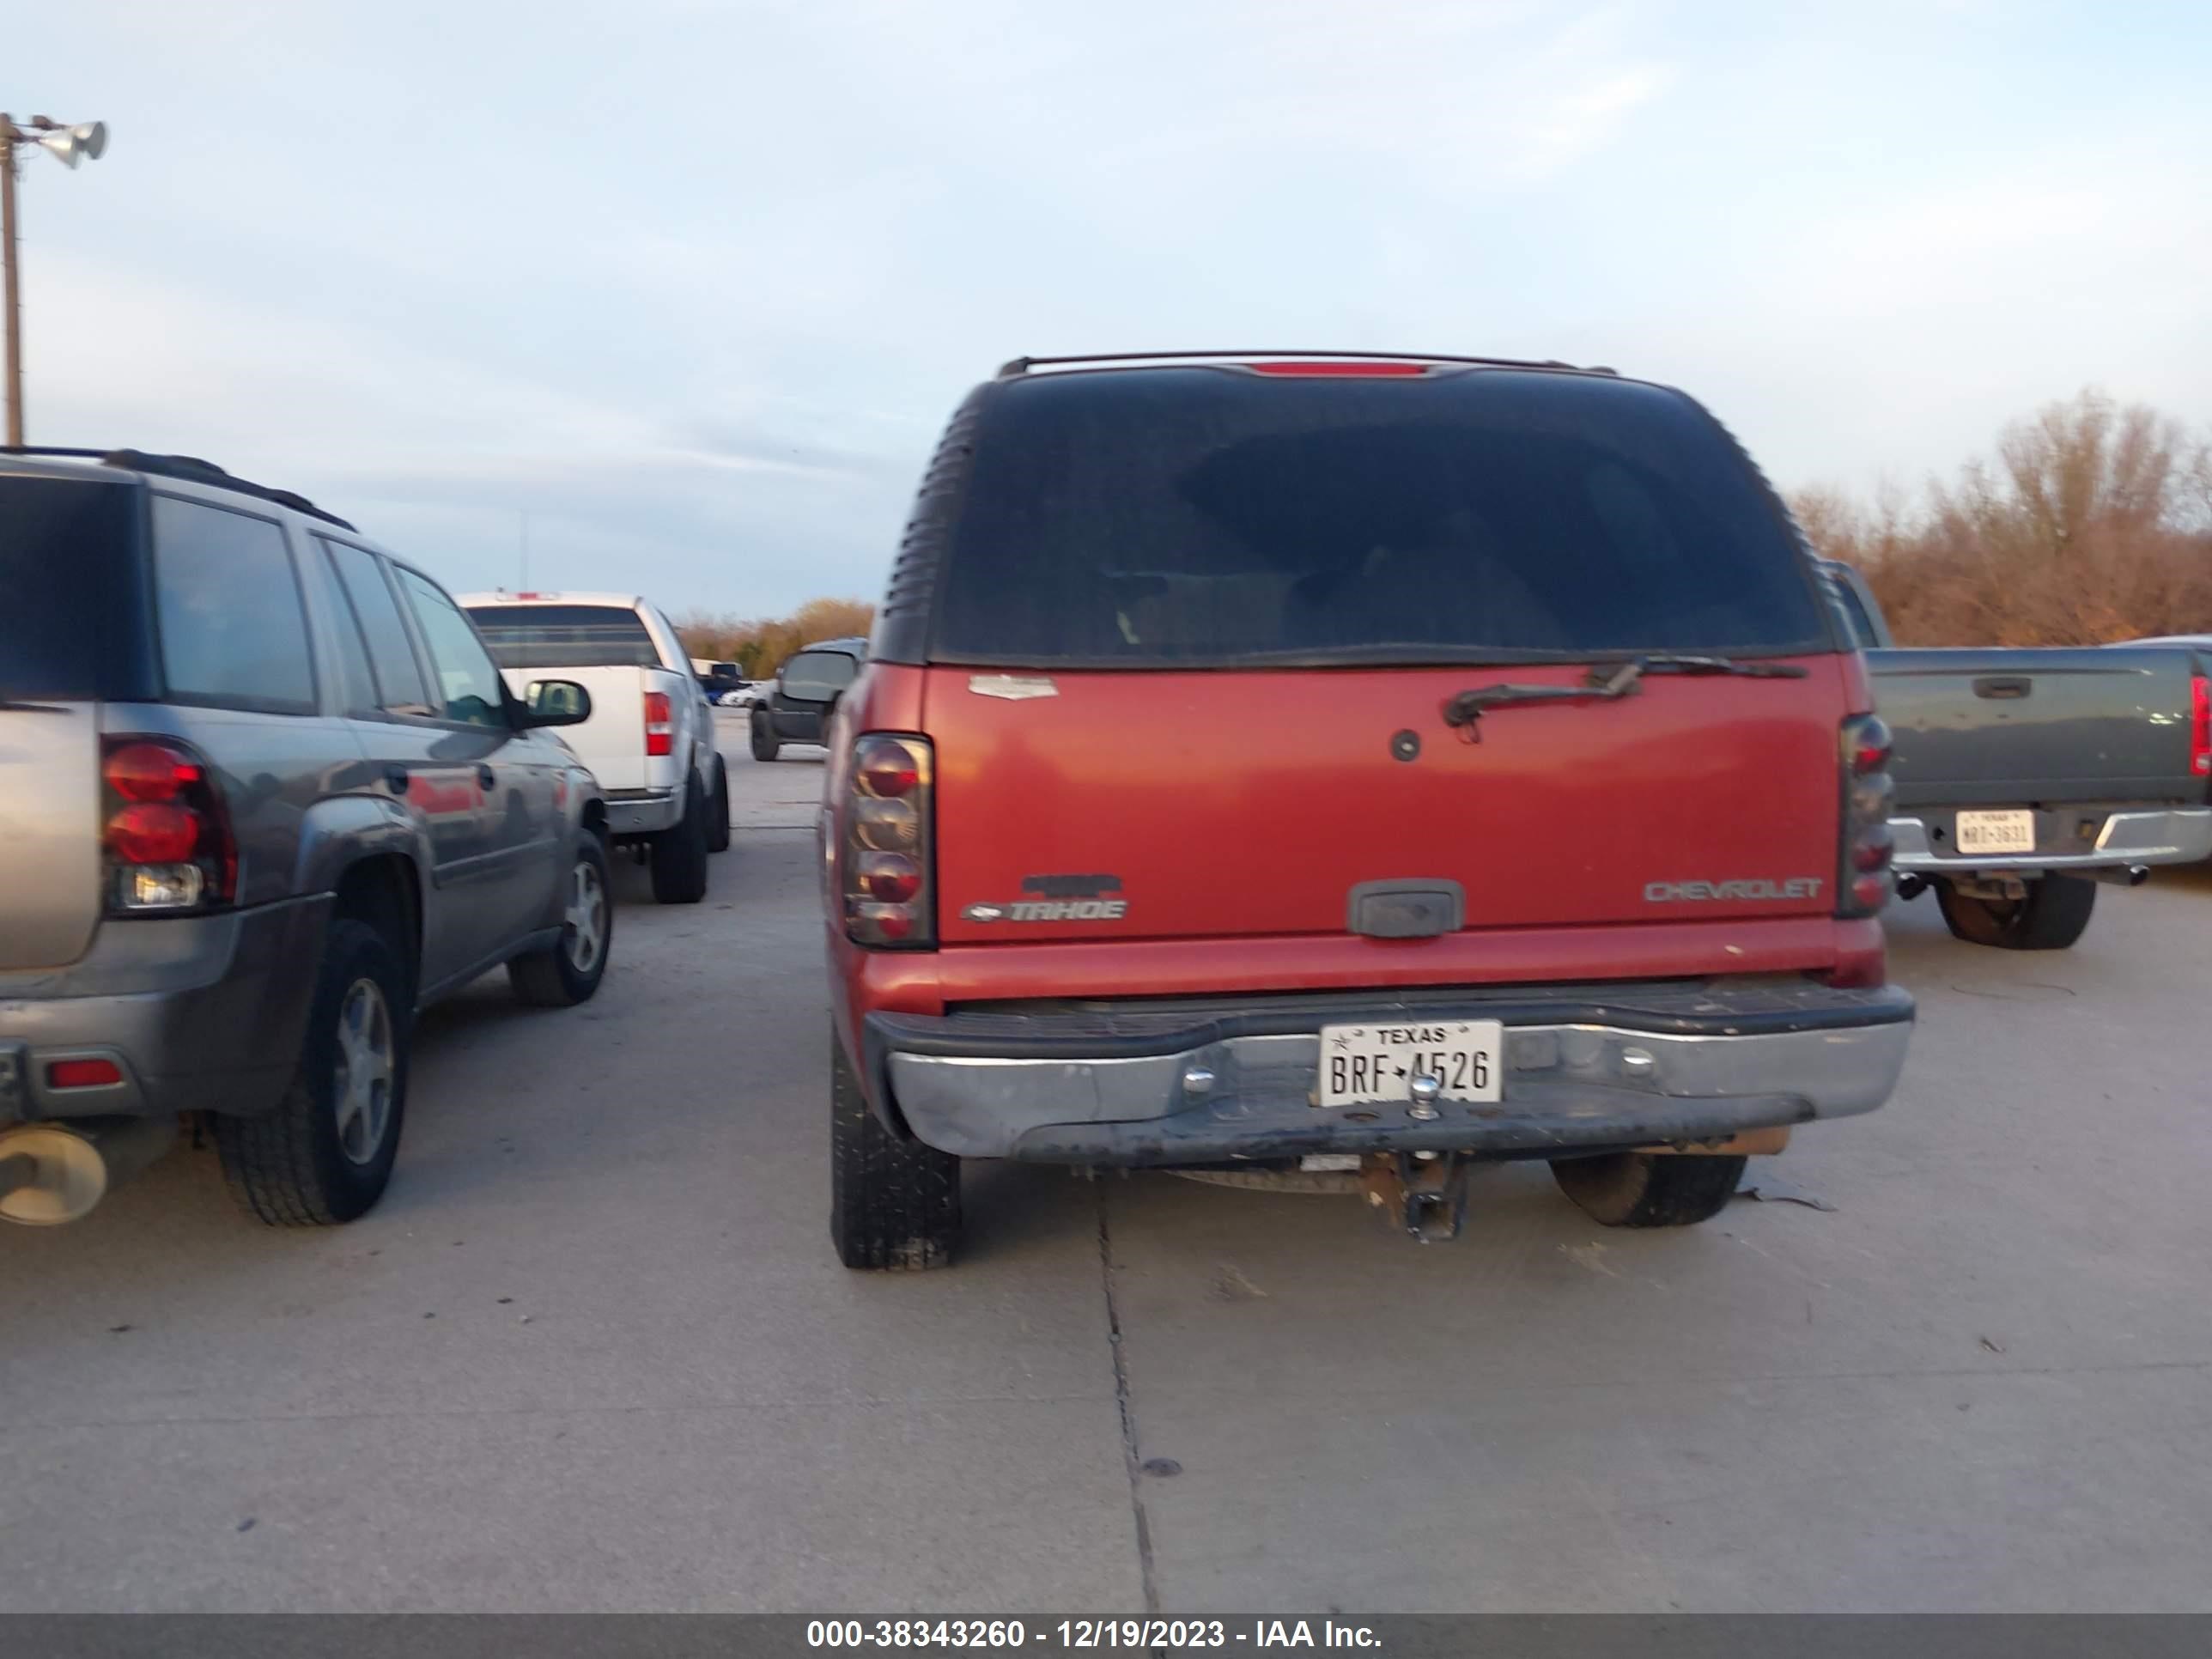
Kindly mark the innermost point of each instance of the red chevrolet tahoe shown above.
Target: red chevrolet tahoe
(1317, 767)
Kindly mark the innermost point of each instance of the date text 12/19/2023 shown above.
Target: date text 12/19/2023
(1080, 1635)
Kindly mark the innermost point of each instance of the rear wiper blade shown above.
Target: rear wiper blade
(10, 706)
(1623, 675)
(1469, 707)
(1604, 684)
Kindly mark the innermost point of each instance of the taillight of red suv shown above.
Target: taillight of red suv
(1863, 882)
(884, 864)
(168, 836)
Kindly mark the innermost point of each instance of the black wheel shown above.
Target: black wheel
(893, 1204)
(568, 970)
(680, 854)
(2051, 917)
(765, 747)
(718, 810)
(324, 1155)
(1649, 1189)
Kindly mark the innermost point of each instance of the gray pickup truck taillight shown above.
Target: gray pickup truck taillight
(885, 859)
(1862, 883)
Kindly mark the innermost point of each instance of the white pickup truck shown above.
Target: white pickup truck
(650, 739)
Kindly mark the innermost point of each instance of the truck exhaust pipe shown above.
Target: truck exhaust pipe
(2133, 875)
(52, 1173)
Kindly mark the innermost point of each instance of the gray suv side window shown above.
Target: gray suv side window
(399, 683)
(473, 691)
(355, 679)
(234, 633)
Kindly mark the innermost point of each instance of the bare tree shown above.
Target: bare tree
(2090, 522)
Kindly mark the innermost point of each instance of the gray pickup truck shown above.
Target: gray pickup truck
(263, 794)
(2026, 777)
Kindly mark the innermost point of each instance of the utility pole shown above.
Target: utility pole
(69, 145)
(14, 295)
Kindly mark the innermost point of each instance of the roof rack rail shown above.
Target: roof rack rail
(191, 467)
(1023, 365)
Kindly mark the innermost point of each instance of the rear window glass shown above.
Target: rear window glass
(565, 636)
(61, 543)
(817, 674)
(1208, 515)
(233, 632)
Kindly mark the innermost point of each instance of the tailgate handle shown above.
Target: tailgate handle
(2003, 685)
(1406, 909)
(395, 778)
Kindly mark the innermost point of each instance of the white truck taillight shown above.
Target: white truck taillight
(1863, 882)
(168, 836)
(659, 733)
(885, 862)
(2200, 727)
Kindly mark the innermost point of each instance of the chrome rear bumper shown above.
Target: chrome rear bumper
(2168, 835)
(1089, 1087)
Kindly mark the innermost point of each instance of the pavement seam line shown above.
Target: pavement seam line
(1130, 1462)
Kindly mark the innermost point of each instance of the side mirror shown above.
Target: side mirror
(556, 702)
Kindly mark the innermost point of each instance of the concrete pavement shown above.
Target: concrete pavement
(594, 1352)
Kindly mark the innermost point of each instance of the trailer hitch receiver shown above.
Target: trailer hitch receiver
(1423, 1193)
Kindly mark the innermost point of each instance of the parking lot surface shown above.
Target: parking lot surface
(593, 1351)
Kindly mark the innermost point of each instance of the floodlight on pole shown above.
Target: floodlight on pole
(69, 145)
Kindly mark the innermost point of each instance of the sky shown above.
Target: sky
(674, 297)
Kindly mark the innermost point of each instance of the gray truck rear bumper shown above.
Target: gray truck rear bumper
(201, 1013)
(2164, 836)
(1584, 1071)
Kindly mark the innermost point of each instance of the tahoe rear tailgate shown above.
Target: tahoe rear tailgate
(1198, 627)
(1243, 803)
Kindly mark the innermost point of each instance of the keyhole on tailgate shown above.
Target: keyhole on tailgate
(1406, 746)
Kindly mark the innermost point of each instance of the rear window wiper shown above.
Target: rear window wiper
(1625, 674)
(1604, 684)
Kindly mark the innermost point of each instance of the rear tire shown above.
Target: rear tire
(680, 854)
(894, 1205)
(325, 1154)
(718, 810)
(568, 970)
(2054, 915)
(765, 747)
(1649, 1189)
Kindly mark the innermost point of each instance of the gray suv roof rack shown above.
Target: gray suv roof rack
(1023, 365)
(189, 468)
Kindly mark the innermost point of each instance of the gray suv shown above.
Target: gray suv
(262, 795)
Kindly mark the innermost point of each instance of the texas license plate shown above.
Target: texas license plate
(1994, 832)
(1362, 1065)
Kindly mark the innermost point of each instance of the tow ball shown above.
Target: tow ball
(1424, 1193)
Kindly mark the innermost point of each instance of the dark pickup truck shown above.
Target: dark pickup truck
(804, 694)
(2025, 776)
